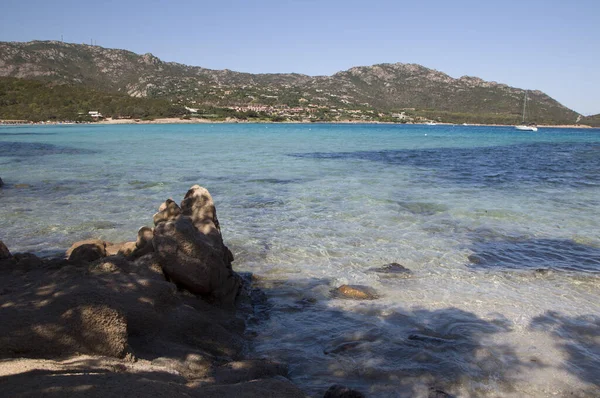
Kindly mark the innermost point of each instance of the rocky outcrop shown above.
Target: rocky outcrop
(114, 317)
(188, 243)
(1, 182)
(125, 327)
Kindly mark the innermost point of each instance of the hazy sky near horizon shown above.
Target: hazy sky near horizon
(549, 45)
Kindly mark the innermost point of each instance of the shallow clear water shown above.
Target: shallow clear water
(500, 228)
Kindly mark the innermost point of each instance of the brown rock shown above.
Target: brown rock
(4, 252)
(356, 292)
(27, 260)
(87, 250)
(123, 248)
(144, 237)
(143, 244)
(167, 211)
(190, 248)
(149, 266)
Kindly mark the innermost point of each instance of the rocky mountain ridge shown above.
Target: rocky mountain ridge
(378, 88)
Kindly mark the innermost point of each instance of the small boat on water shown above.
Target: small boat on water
(431, 123)
(523, 126)
(530, 127)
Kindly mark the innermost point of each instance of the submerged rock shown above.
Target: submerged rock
(339, 391)
(542, 271)
(1, 182)
(436, 393)
(356, 292)
(4, 252)
(475, 259)
(189, 247)
(393, 269)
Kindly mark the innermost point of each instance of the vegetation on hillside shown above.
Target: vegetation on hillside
(593, 120)
(37, 101)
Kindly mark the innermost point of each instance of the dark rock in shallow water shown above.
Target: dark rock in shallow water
(1, 182)
(87, 250)
(435, 393)
(393, 269)
(543, 271)
(346, 346)
(338, 391)
(189, 247)
(4, 252)
(356, 292)
(474, 259)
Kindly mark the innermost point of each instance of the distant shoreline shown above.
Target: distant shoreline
(238, 121)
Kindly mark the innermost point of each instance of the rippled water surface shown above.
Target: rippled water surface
(500, 229)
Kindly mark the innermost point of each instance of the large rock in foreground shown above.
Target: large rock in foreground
(189, 247)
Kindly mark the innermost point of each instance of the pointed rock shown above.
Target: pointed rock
(190, 249)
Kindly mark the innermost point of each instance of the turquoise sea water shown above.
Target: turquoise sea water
(500, 228)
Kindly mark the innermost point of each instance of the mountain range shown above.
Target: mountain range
(383, 90)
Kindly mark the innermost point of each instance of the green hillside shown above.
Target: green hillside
(39, 101)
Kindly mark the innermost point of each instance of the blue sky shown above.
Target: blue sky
(553, 46)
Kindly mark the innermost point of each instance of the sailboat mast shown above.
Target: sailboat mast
(524, 106)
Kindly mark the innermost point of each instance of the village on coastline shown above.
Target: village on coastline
(270, 114)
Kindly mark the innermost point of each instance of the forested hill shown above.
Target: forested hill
(593, 120)
(366, 91)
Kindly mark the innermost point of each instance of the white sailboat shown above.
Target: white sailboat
(523, 126)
